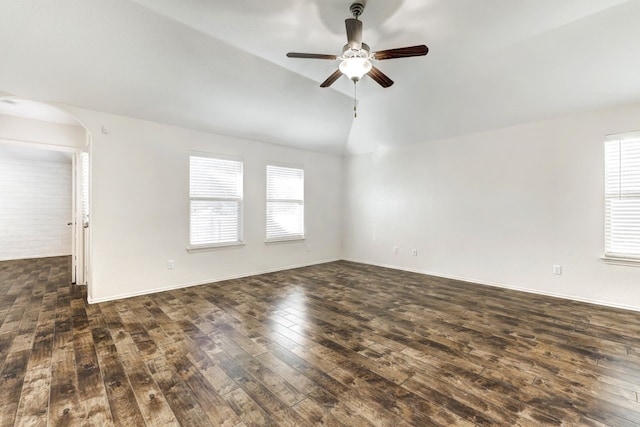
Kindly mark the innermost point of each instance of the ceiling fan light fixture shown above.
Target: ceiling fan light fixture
(355, 67)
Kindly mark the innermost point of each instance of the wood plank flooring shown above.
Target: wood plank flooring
(339, 344)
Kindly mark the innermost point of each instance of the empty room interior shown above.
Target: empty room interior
(320, 213)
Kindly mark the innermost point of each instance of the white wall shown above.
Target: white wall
(140, 208)
(35, 206)
(499, 208)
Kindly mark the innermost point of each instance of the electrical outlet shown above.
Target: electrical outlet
(557, 269)
(170, 264)
(308, 248)
(395, 249)
(414, 252)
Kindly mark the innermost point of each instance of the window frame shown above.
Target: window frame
(300, 202)
(240, 200)
(611, 257)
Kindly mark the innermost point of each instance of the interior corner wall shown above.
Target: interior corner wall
(499, 208)
(140, 208)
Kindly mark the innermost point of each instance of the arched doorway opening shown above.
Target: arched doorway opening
(45, 138)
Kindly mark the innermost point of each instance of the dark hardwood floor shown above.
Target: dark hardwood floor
(334, 344)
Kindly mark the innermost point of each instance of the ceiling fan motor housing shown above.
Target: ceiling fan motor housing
(348, 52)
(356, 9)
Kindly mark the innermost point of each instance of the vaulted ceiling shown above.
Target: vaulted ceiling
(220, 66)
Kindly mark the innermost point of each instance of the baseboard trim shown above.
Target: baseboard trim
(500, 285)
(203, 282)
(359, 261)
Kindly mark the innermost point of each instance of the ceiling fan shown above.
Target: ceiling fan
(356, 56)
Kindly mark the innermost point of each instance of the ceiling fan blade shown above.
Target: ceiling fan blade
(354, 33)
(401, 52)
(311, 55)
(331, 79)
(380, 77)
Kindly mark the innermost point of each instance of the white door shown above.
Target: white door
(86, 200)
(74, 220)
(80, 249)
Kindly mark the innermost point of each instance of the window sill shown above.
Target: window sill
(285, 240)
(214, 247)
(632, 262)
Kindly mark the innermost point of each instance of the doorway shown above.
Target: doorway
(49, 152)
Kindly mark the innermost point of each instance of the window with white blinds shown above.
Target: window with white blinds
(285, 203)
(622, 196)
(215, 194)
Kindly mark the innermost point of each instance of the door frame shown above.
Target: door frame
(81, 237)
(79, 253)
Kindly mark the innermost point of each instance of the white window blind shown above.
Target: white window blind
(622, 196)
(285, 203)
(215, 192)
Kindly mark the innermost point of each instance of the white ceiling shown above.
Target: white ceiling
(220, 66)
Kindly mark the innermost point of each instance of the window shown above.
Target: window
(622, 196)
(285, 203)
(215, 195)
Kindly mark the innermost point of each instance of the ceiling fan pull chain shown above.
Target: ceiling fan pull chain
(355, 99)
